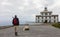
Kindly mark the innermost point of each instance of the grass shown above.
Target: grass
(57, 25)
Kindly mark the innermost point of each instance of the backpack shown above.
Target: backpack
(15, 21)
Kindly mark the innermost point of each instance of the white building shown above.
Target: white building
(46, 16)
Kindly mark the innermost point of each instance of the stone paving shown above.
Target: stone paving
(35, 31)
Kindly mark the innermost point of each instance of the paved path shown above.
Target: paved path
(35, 31)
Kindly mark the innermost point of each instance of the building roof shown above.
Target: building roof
(46, 16)
(54, 15)
(46, 11)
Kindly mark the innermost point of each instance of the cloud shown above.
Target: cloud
(6, 3)
(56, 3)
(21, 8)
(26, 9)
(47, 2)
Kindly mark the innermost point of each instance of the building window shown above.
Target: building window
(54, 20)
(42, 20)
(49, 17)
(49, 21)
(42, 14)
(45, 17)
(54, 17)
(38, 21)
(49, 13)
(38, 17)
(45, 13)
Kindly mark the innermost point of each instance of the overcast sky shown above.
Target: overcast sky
(25, 9)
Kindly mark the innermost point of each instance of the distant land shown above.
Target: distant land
(10, 23)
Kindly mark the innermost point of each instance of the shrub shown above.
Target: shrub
(56, 25)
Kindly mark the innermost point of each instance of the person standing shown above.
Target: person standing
(15, 24)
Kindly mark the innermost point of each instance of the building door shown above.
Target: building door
(45, 21)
